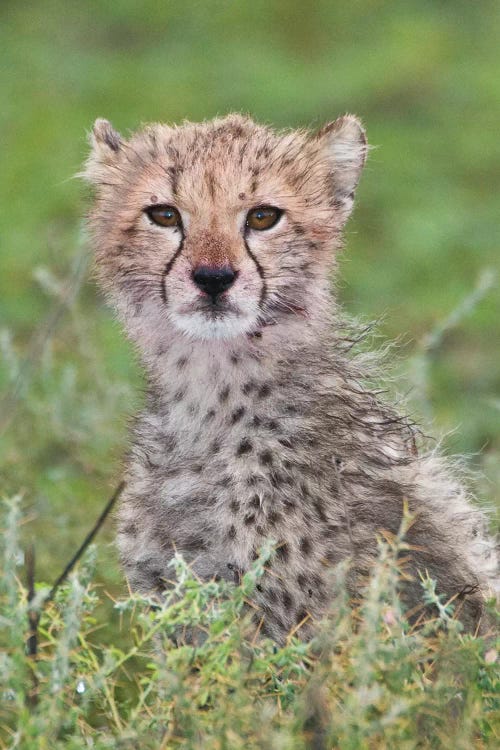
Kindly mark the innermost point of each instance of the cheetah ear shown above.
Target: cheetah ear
(344, 141)
(106, 149)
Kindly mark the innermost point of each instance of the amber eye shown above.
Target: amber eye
(165, 216)
(263, 217)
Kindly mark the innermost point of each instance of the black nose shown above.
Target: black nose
(214, 280)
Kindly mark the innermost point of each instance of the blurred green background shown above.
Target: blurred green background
(424, 77)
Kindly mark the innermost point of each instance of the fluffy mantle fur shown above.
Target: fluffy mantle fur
(259, 422)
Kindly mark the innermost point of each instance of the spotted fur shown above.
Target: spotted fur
(259, 422)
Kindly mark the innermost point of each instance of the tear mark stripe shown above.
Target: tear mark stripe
(167, 270)
(260, 271)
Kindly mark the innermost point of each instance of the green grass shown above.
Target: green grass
(422, 245)
(367, 680)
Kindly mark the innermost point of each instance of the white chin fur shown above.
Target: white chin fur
(197, 325)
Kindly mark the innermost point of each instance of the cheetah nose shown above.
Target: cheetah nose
(213, 280)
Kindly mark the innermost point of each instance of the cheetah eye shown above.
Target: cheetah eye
(263, 217)
(165, 216)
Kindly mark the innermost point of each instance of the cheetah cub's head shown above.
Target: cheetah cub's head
(216, 230)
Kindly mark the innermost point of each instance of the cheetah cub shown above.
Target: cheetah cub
(215, 243)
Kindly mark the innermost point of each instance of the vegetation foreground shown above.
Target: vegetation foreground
(368, 680)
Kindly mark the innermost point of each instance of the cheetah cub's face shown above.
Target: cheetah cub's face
(218, 229)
